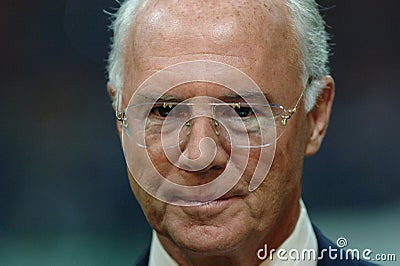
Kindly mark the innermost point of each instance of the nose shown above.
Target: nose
(202, 148)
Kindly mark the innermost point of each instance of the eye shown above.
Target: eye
(162, 110)
(242, 111)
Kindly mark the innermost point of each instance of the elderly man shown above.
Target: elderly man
(168, 57)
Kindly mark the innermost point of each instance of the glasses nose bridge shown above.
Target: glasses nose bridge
(201, 112)
(202, 124)
(198, 129)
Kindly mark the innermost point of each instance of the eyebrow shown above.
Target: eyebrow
(242, 96)
(164, 97)
(226, 97)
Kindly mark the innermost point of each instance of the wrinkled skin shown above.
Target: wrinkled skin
(255, 37)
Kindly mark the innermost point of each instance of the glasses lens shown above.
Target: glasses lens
(257, 122)
(249, 124)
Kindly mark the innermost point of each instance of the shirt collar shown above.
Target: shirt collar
(302, 238)
(158, 255)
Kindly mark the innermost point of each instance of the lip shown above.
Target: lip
(211, 208)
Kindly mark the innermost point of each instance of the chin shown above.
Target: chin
(216, 234)
(212, 240)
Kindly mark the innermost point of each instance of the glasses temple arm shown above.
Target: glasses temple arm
(120, 116)
(290, 112)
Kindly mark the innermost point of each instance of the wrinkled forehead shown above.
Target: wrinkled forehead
(188, 22)
(209, 17)
(191, 79)
(255, 36)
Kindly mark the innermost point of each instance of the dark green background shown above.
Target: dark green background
(64, 195)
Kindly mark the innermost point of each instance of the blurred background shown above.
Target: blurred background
(64, 195)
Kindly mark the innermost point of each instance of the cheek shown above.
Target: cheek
(153, 209)
(166, 168)
(287, 167)
(290, 149)
(159, 160)
(282, 184)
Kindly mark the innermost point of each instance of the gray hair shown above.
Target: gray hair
(309, 30)
(312, 38)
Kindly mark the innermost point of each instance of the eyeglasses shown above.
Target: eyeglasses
(241, 124)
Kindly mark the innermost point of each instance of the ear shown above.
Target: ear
(318, 117)
(112, 93)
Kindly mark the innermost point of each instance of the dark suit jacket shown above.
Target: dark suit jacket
(323, 243)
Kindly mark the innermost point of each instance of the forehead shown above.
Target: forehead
(254, 36)
(214, 21)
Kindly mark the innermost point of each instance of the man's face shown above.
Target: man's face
(255, 37)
